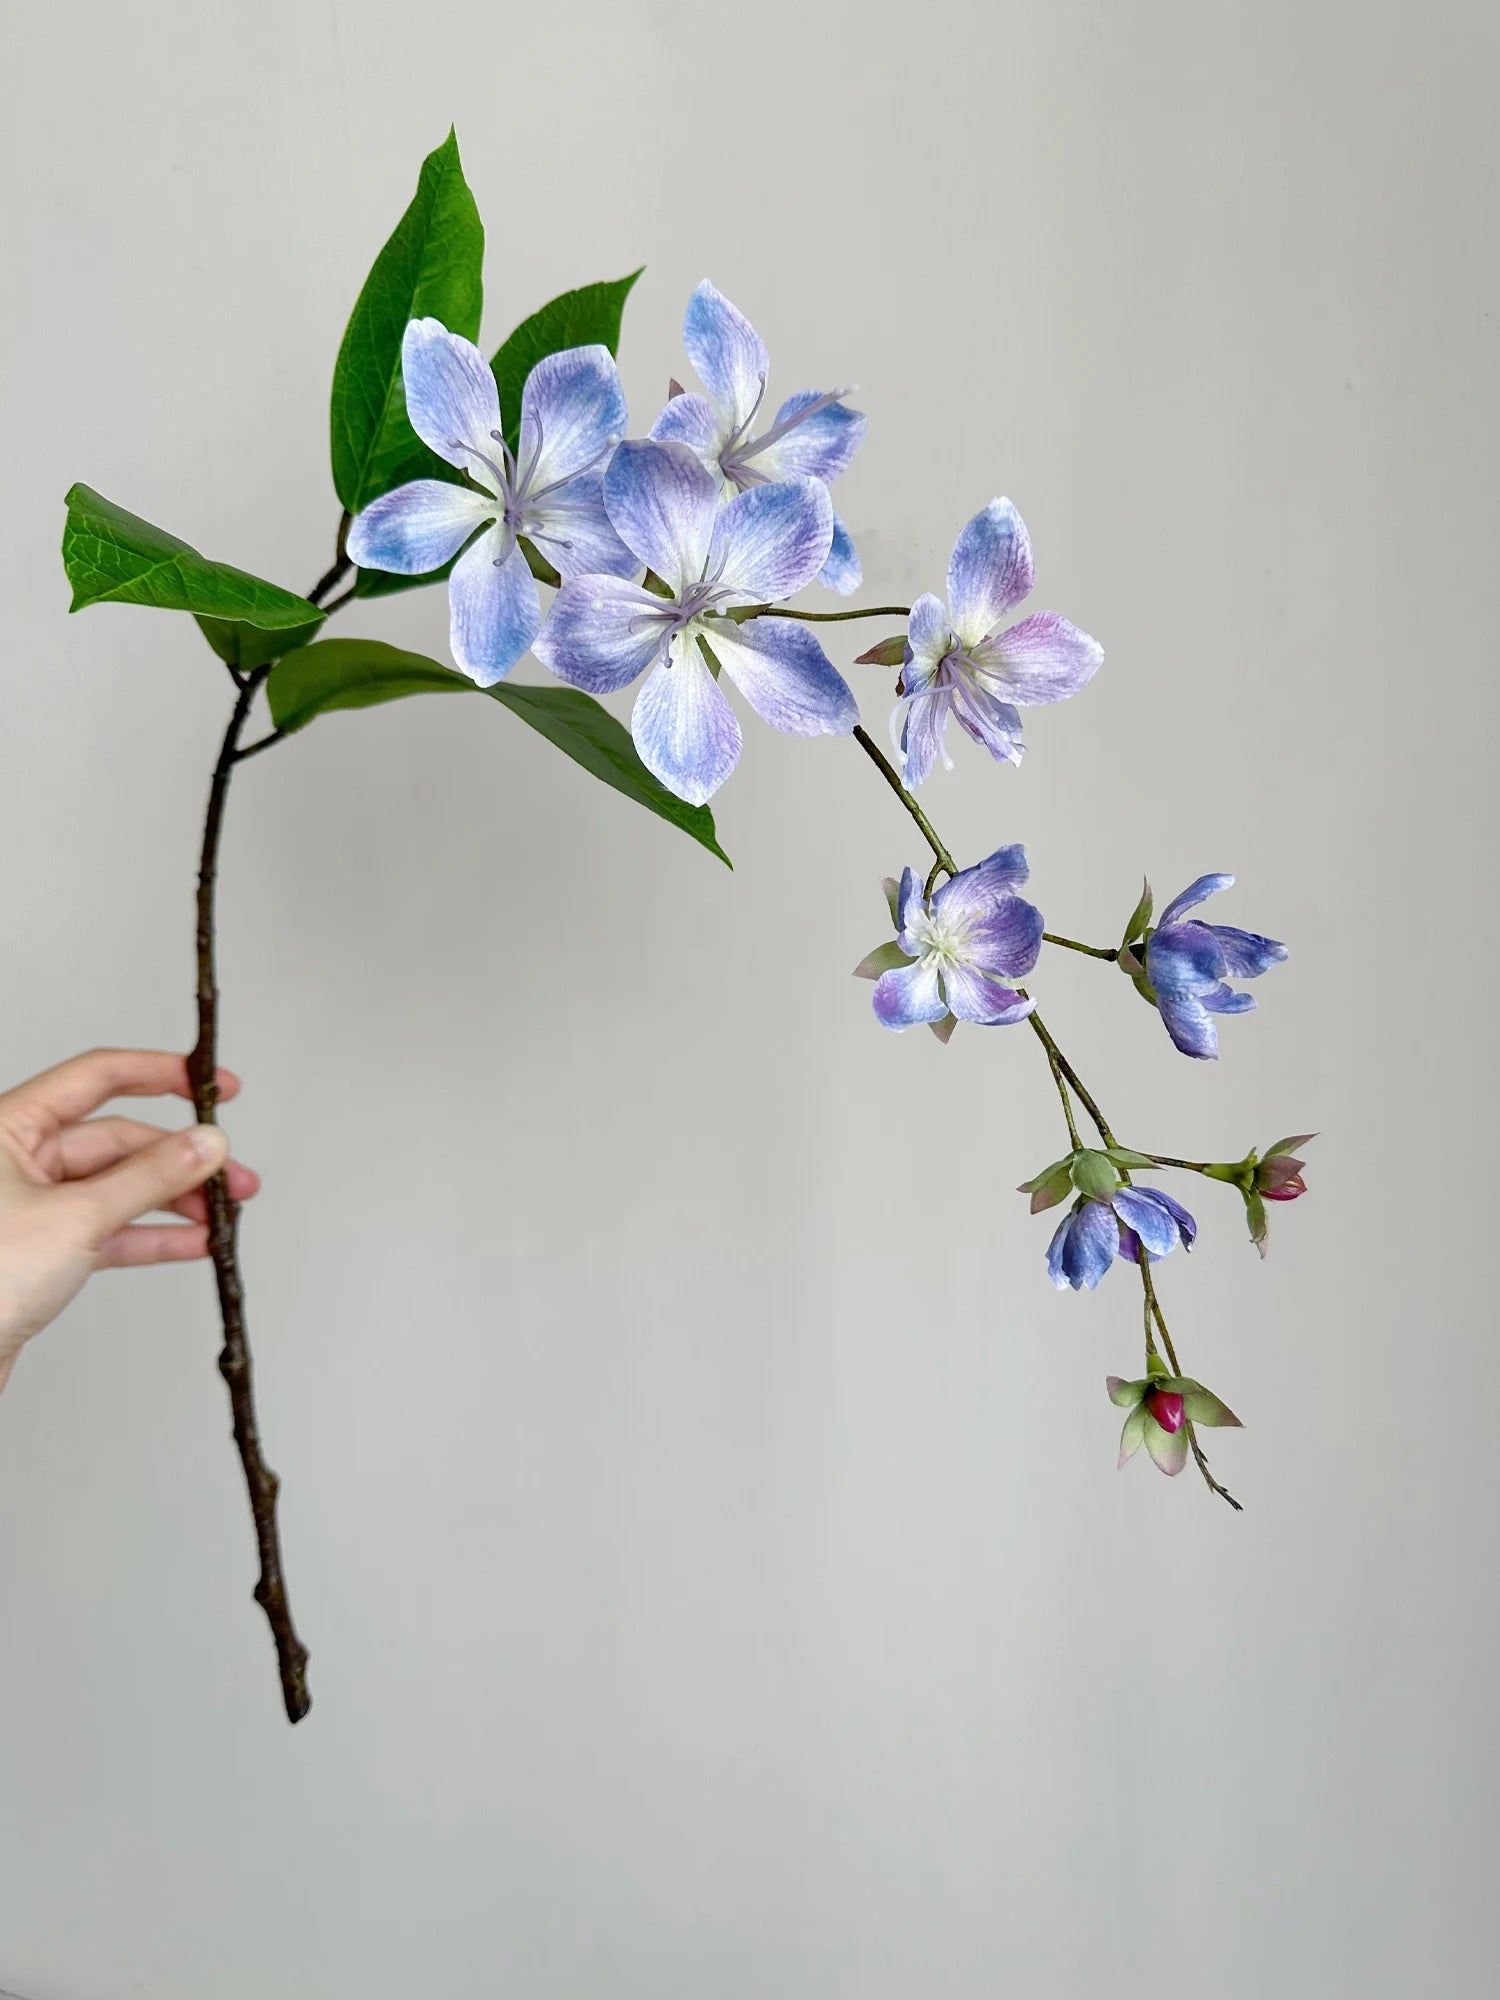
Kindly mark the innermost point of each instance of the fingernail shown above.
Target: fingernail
(208, 1143)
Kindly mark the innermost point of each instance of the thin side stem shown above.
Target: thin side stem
(339, 568)
(1080, 1090)
(1067, 1102)
(235, 1362)
(892, 777)
(1154, 1311)
(1111, 952)
(820, 617)
(1188, 1166)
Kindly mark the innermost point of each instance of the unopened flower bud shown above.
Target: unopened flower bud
(1166, 1406)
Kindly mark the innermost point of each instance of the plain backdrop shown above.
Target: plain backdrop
(700, 1508)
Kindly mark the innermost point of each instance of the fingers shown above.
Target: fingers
(152, 1243)
(80, 1150)
(153, 1177)
(73, 1089)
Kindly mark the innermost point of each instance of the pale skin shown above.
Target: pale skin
(81, 1193)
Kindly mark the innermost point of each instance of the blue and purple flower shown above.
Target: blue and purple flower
(549, 489)
(968, 946)
(1183, 967)
(814, 435)
(960, 662)
(763, 545)
(1128, 1223)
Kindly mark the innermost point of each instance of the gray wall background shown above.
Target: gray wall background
(701, 1510)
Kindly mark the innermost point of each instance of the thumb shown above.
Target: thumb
(152, 1178)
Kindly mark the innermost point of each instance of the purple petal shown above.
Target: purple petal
(817, 446)
(921, 721)
(1042, 659)
(1194, 894)
(1002, 871)
(662, 500)
(572, 530)
(842, 571)
(772, 540)
(1085, 1247)
(1246, 954)
(1187, 1224)
(684, 729)
(1226, 1000)
(910, 902)
(601, 633)
(727, 352)
(572, 413)
(929, 637)
(451, 397)
(906, 998)
(1152, 1221)
(1184, 958)
(974, 997)
(493, 609)
(417, 528)
(988, 721)
(1169, 1449)
(989, 572)
(1005, 940)
(693, 421)
(785, 675)
(1189, 1024)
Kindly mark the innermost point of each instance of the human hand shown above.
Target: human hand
(73, 1187)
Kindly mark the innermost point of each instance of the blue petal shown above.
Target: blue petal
(1003, 870)
(994, 724)
(1189, 1024)
(923, 720)
(1044, 658)
(662, 500)
(1084, 1247)
(693, 421)
(928, 638)
(602, 632)
(784, 674)
(907, 997)
(1223, 999)
(574, 533)
(451, 397)
(684, 729)
(417, 528)
(1057, 1250)
(1006, 941)
(1184, 958)
(817, 446)
(572, 414)
(974, 997)
(1195, 893)
(989, 572)
(1246, 953)
(910, 902)
(494, 610)
(772, 540)
(727, 352)
(1140, 1209)
(1186, 1224)
(842, 571)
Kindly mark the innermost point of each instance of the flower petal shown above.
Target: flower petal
(1042, 659)
(727, 352)
(693, 421)
(904, 999)
(602, 632)
(784, 674)
(843, 570)
(1002, 871)
(662, 500)
(1246, 953)
(910, 902)
(1186, 1224)
(1131, 1433)
(989, 572)
(920, 724)
(1085, 1247)
(1189, 1024)
(416, 528)
(1184, 958)
(972, 996)
(494, 611)
(1223, 999)
(1194, 894)
(1168, 1449)
(1202, 1406)
(772, 540)
(988, 721)
(817, 446)
(1125, 1395)
(684, 729)
(572, 413)
(929, 637)
(573, 531)
(1152, 1221)
(451, 397)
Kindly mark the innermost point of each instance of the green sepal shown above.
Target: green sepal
(1094, 1175)
(587, 317)
(1125, 1395)
(710, 656)
(1202, 1406)
(1140, 916)
(1123, 1156)
(944, 1029)
(887, 957)
(888, 653)
(1157, 1371)
(1255, 1216)
(359, 673)
(430, 267)
(1050, 1188)
(891, 884)
(1289, 1145)
(1063, 1166)
(114, 557)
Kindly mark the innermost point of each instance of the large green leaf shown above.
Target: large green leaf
(359, 673)
(245, 646)
(430, 268)
(113, 556)
(584, 318)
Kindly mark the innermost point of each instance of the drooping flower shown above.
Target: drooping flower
(1123, 1223)
(1161, 1406)
(763, 545)
(963, 951)
(961, 663)
(814, 434)
(1182, 967)
(549, 489)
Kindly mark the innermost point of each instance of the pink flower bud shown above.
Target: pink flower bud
(1166, 1406)
(1289, 1189)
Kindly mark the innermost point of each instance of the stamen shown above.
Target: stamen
(790, 423)
(457, 444)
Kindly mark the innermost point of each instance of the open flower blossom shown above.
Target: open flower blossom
(961, 663)
(967, 946)
(1161, 1407)
(1186, 964)
(549, 489)
(814, 434)
(763, 545)
(1127, 1223)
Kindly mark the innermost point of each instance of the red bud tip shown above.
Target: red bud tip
(1166, 1406)
(1288, 1191)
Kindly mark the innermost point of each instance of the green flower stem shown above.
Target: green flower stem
(1110, 952)
(740, 612)
(888, 771)
(1067, 1103)
(1188, 1166)
(1154, 1311)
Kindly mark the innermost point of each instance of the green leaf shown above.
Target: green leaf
(888, 957)
(385, 582)
(584, 318)
(114, 557)
(429, 268)
(1094, 1175)
(1123, 1156)
(359, 673)
(246, 646)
